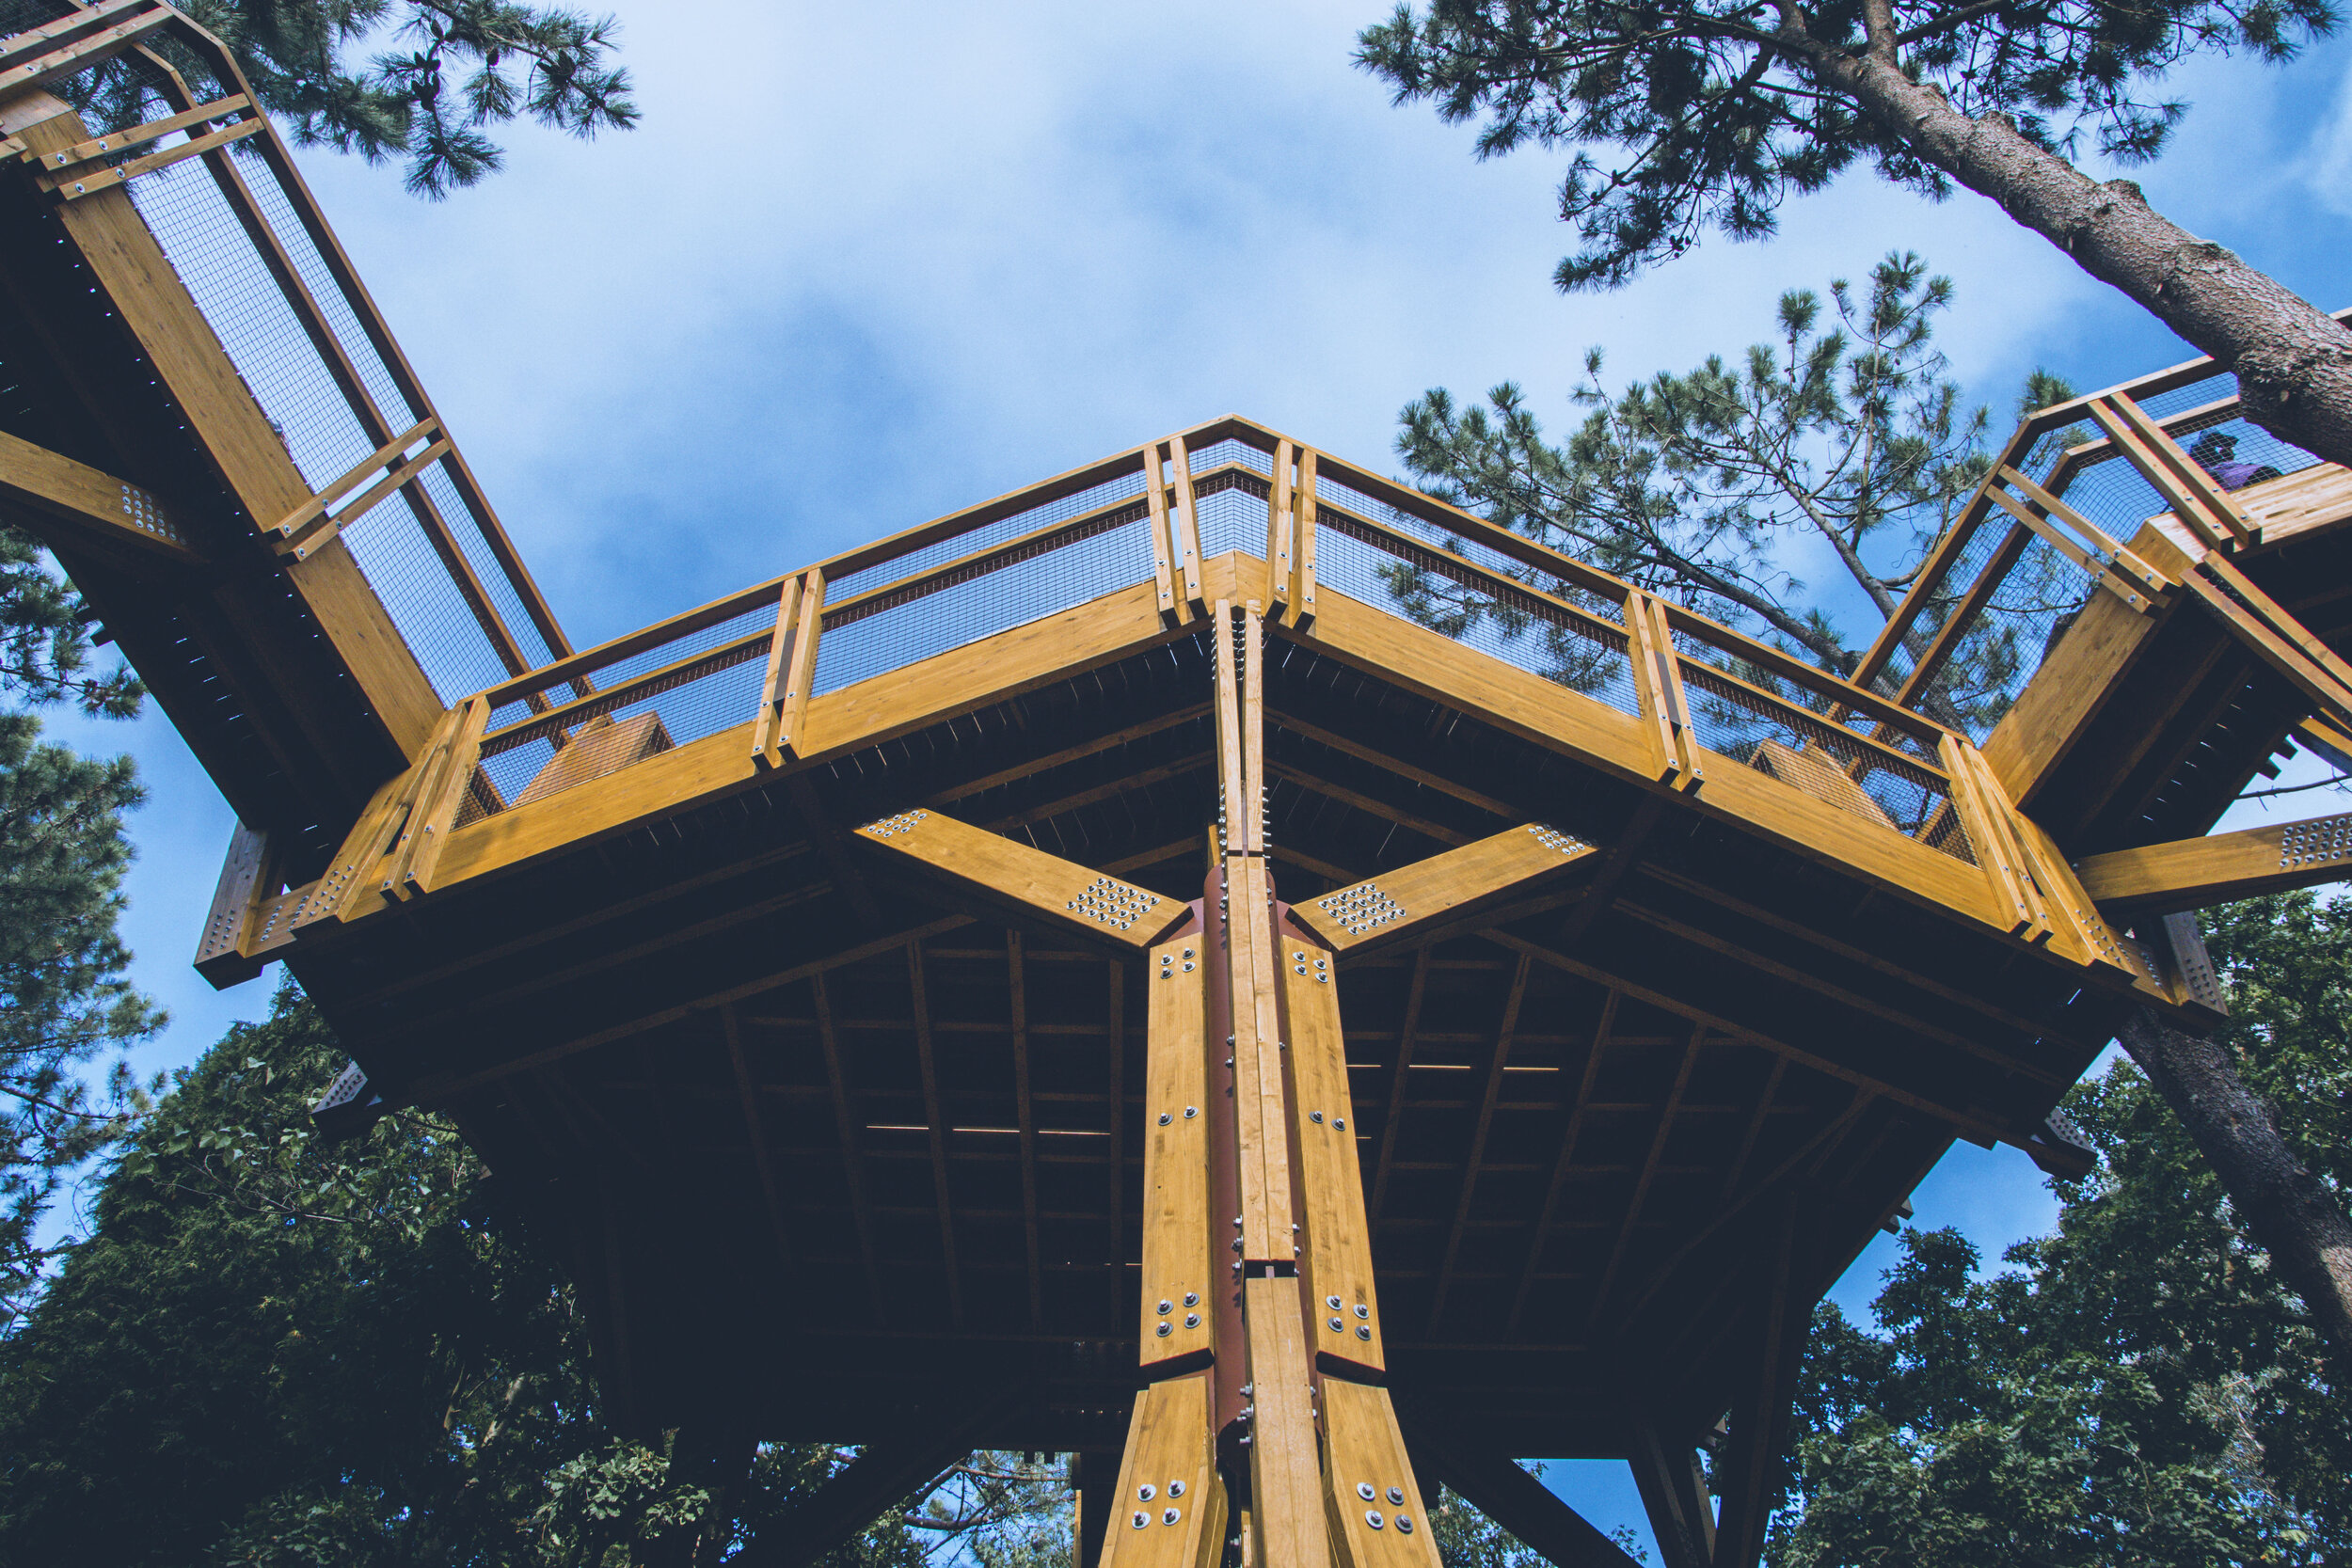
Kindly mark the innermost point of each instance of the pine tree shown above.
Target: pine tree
(1708, 114)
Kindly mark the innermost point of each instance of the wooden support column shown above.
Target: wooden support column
(1673, 1494)
(1759, 1419)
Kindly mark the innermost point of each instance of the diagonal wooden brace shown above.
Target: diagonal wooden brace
(1410, 904)
(1030, 883)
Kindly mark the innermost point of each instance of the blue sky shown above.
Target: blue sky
(865, 265)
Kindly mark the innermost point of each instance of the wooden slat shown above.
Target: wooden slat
(755, 1130)
(2215, 526)
(845, 1124)
(57, 50)
(1187, 522)
(73, 186)
(1168, 1441)
(800, 671)
(1994, 852)
(1391, 1527)
(76, 504)
(764, 748)
(115, 141)
(1302, 609)
(1181, 1269)
(225, 955)
(2196, 873)
(1252, 728)
(2188, 476)
(1399, 907)
(1285, 1465)
(934, 1126)
(436, 813)
(1062, 895)
(1025, 1114)
(1476, 1155)
(1261, 1093)
(1393, 1124)
(1540, 1236)
(1345, 1326)
(1280, 532)
(1666, 1114)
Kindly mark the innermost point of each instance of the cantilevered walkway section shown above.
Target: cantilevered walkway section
(913, 985)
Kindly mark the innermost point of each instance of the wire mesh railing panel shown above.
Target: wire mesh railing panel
(1494, 617)
(1824, 702)
(1233, 512)
(1824, 760)
(1218, 454)
(1013, 594)
(1094, 498)
(408, 576)
(644, 726)
(1439, 537)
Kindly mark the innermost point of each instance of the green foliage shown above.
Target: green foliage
(1843, 437)
(279, 1352)
(454, 67)
(2136, 1388)
(1710, 113)
(63, 998)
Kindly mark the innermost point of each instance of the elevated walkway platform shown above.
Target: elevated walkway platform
(893, 977)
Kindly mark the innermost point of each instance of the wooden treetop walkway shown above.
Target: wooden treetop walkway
(798, 957)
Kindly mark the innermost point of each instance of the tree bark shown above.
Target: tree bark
(2293, 360)
(2294, 1214)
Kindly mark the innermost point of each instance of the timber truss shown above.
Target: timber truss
(1216, 963)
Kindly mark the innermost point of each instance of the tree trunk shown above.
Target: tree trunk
(2293, 361)
(2288, 1210)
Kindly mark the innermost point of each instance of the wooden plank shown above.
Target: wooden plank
(1181, 1269)
(226, 955)
(1279, 529)
(2008, 911)
(2196, 873)
(1262, 1095)
(1231, 779)
(2041, 729)
(437, 812)
(75, 504)
(56, 50)
(1335, 1267)
(1539, 1238)
(1025, 1114)
(1187, 520)
(1254, 770)
(397, 478)
(845, 1123)
(1398, 906)
(800, 671)
(1496, 1064)
(1059, 894)
(385, 456)
(936, 1125)
(1647, 664)
(755, 1132)
(2182, 479)
(1673, 1494)
(764, 751)
(2264, 626)
(1393, 1124)
(1170, 1508)
(115, 141)
(73, 185)
(1377, 1516)
(1670, 689)
(1285, 1463)
(1309, 528)
(1666, 1114)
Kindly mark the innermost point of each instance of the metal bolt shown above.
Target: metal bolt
(1403, 1525)
(1191, 1111)
(1166, 1308)
(1396, 1496)
(1372, 1517)
(1362, 1332)
(1339, 1123)
(1175, 1488)
(1165, 1118)
(1147, 1492)
(1331, 1302)
(1140, 1519)
(1337, 1326)
(1172, 1515)
(1192, 1320)
(1363, 1490)
(1192, 1298)
(1315, 1117)
(1362, 1310)
(1166, 1329)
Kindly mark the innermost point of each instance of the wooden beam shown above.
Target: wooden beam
(935, 1125)
(1169, 1510)
(1188, 521)
(1379, 1516)
(1182, 1272)
(1115, 1031)
(1666, 1114)
(1062, 895)
(228, 956)
(772, 687)
(1400, 907)
(1673, 1494)
(756, 1129)
(1287, 1513)
(1389, 762)
(2195, 873)
(1392, 1125)
(72, 503)
(1493, 1483)
(1566, 1160)
(1344, 1323)
(1025, 1114)
(1760, 1416)
(1477, 1152)
(845, 1124)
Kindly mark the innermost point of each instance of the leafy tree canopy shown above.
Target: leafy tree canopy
(1711, 112)
(2137, 1387)
(419, 80)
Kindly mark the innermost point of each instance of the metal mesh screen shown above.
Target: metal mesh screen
(1517, 627)
(1824, 760)
(1097, 498)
